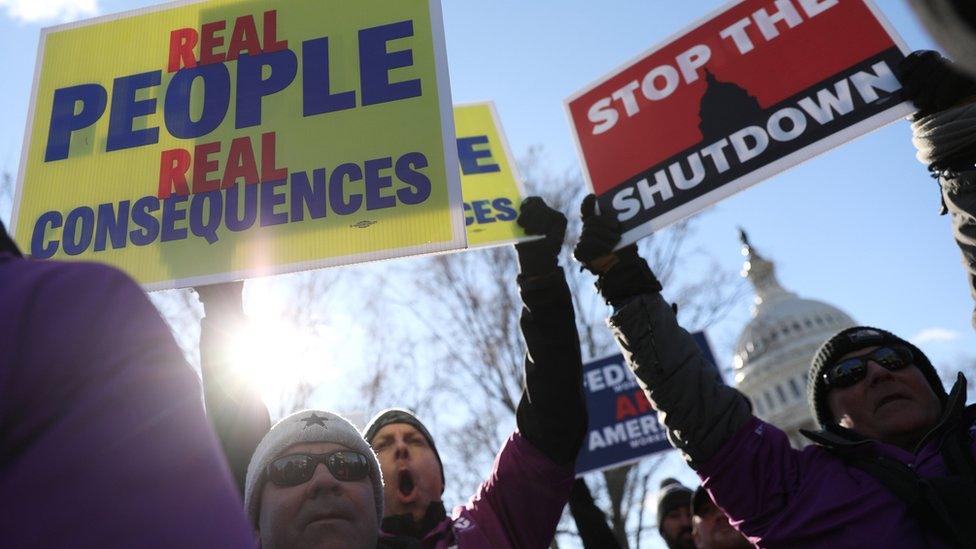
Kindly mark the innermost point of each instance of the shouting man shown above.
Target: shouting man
(519, 505)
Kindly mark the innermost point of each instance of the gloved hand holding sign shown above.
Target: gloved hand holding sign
(622, 273)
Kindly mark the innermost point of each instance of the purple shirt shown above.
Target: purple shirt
(518, 506)
(782, 497)
(103, 438)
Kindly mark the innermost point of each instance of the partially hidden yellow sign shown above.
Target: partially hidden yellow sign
(200, 142)
(491, 185)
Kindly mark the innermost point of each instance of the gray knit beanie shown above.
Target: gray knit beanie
(850, 340)
(307, 426)
(671, 496)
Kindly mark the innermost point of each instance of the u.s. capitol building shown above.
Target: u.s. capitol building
(773, 352)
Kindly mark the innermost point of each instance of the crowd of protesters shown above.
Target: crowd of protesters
(104, 441)
(521, 501)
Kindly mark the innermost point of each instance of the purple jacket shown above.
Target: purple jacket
(782, 497)
(518, 506)
(103, 438)
(777, 496)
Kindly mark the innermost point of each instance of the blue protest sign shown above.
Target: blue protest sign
(623, 427)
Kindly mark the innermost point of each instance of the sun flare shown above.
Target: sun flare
(274, 355)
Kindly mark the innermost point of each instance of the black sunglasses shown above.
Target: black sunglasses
(849, 371)
(295, 469)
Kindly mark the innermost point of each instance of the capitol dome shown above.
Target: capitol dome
(775, 348)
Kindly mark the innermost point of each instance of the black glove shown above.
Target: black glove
(540, 257)
(622, 274)
(600, 234)
(933, 82)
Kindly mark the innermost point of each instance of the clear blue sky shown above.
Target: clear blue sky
(856, 227)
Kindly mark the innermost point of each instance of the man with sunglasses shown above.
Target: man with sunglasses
(893, 465)
(314, 482)
(900, 402)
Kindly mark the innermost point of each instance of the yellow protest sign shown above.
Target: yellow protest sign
(491, 185)
(200, 142)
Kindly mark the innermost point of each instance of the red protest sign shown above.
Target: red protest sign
(755, 88)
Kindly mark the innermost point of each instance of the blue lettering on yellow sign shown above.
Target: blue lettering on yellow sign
(471, 158)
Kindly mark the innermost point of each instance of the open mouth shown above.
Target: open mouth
(405, 483)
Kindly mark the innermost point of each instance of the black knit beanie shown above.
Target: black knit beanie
(399, 415)
(671, 496)
(850, 340)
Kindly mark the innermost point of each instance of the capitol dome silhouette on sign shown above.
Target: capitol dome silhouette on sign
(725, 108)
(775, 348)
